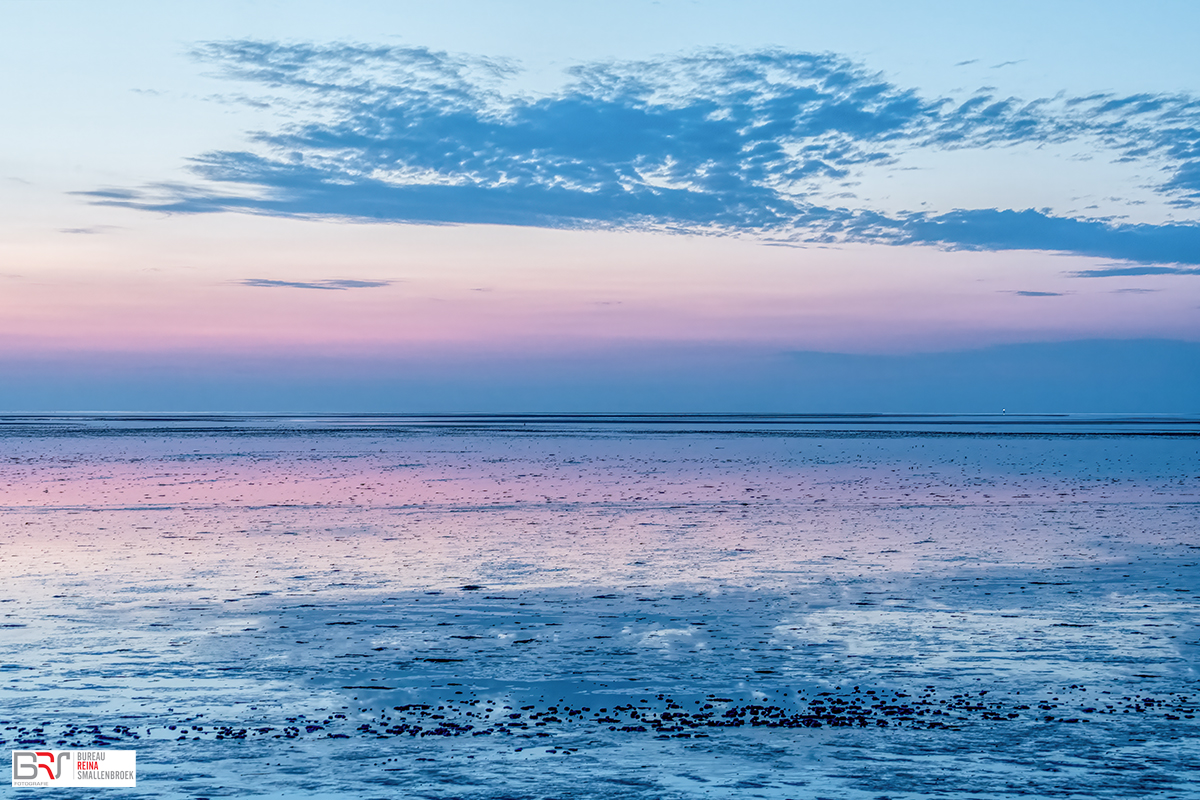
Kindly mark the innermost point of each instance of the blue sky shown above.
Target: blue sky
(273, 199)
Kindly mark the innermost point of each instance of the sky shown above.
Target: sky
(618, 206)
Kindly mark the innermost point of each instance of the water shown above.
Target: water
(831, 606)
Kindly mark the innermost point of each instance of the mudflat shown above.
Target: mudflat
(606, 606)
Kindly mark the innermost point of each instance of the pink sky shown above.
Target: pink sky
(177, 286)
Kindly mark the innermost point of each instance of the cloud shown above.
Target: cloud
(336, 284)
(91, 230)
(1038, 294)
(717, 141)
(1131, 271)
(992, 229)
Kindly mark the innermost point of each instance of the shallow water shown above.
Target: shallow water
(795, 607)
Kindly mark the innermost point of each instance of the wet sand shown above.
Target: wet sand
(601, 609)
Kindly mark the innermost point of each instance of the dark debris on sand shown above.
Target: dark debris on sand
(664, 717)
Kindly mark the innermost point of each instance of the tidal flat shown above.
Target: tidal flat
(628, 607)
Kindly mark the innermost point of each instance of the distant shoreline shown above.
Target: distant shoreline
(869, 424)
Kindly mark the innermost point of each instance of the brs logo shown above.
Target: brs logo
(28, 764)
